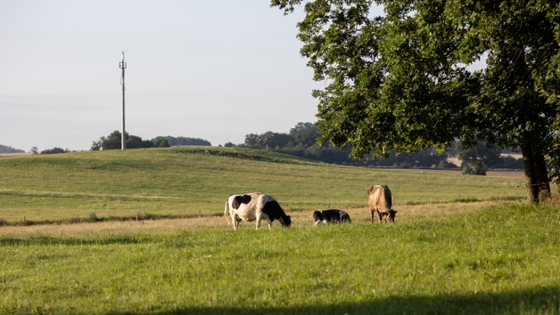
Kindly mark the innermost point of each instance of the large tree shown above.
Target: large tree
(402, 80)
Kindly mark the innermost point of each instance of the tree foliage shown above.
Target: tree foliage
(401, 81)
(302, 142)
(113, 142)
(162, 143)
(176, 141)
(8, 149)
(55, 150)
(476, 159)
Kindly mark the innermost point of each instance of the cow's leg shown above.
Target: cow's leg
(372, 215)
(380, 216)
(259, 218)
(234, 222)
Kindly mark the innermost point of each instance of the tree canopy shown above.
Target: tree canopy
(113, 142)
(8, 149)
(403, 80)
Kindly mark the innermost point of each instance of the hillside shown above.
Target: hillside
(195, 181)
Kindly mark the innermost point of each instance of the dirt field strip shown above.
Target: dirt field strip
(299, 218)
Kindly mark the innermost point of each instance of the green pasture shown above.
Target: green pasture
(196, 181)
(499, 260)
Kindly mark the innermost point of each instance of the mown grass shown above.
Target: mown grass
(498, 260)
(186, 182)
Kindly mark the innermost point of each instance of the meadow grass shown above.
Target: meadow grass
(188, 182)
(461, 244)
(497, 260)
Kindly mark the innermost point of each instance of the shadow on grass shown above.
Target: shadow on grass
(544, 300)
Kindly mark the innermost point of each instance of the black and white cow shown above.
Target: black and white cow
(255, 206)
(331, 215)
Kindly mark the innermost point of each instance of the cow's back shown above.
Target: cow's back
(380, 198)
(246, 211)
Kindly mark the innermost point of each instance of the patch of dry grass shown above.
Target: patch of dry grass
(299, 218)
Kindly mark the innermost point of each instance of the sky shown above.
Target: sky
(214, 69)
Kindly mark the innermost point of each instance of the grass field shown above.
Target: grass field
(185, 182)
(461, 244)
(498, 260)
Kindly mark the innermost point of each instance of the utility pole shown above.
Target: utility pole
(122, 65)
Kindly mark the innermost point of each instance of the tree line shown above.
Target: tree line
(302, 141)
(8, 149)
(113, 142)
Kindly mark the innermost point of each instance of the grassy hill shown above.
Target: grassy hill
(193, 181)
(499, 259)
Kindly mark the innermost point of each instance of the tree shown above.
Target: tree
(253, 140)
(113, 141)
(149, 144)
(34, 150)
(54, 150)
(477, 158)
(272, 140)
(402, 82)
(133, 142)
(182, 141)
(97, 145)
(305, 134)
(8, 149)
(162, 143)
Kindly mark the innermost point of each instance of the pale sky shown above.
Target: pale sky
(211, 69)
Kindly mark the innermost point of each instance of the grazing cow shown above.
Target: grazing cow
(255, 206)
(332, 215)
(380, 201)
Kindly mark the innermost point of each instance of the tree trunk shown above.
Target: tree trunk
(541, 177)
(530, 173)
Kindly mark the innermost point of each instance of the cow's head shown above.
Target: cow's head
(390, 216)
(286, 221)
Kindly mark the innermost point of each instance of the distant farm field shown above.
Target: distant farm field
(186, 182)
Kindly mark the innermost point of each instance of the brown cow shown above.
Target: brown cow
(381, 201)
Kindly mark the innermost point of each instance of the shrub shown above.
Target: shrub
(474, 170)
(55, 150)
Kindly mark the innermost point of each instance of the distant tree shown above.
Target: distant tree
(113, 141)
(97, 145)
(253, 140)
(162, 143)
(476, 159)
(8, 149)
(54, 150)
(305, 134)
(133, 142)
(34, 150)
(148, 144)
(229, 145)
(177, 141)
(274, 141)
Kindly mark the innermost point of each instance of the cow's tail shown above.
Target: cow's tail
(226, 208)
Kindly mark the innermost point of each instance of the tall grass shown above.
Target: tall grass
(499, 260)
(186, 182)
